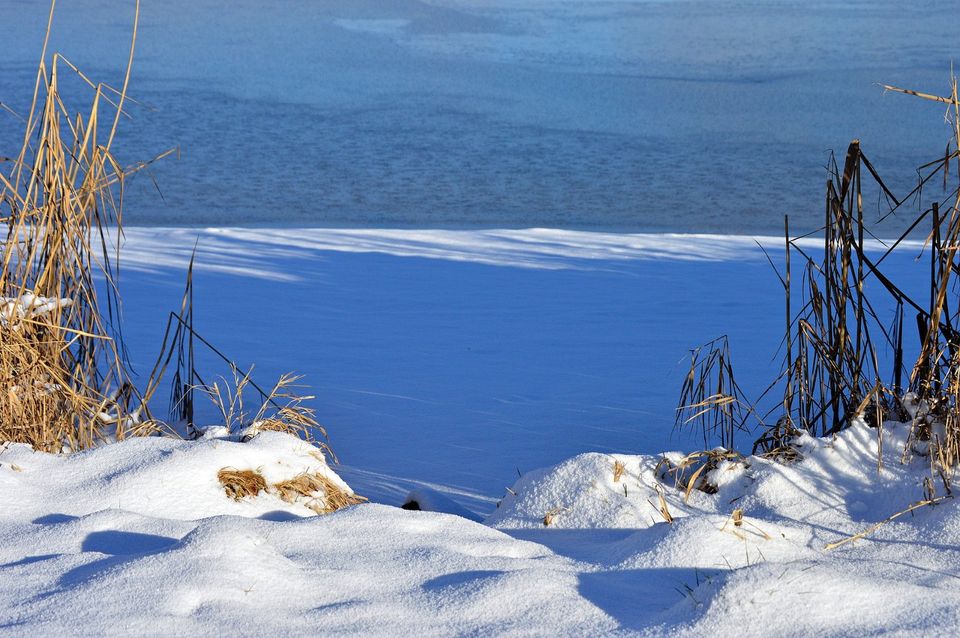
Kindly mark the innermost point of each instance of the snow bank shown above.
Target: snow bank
(837, 484)
(139, 538)
(370, 570)
(157, 476)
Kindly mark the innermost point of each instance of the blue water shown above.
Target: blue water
(677, 115)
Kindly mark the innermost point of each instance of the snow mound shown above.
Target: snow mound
(160, 477)
(758, 545)
(760, 510)
(591, 491)
(365, 571)
(837, 483)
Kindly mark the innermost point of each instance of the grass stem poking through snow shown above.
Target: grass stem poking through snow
(876, 526)
(710, 397)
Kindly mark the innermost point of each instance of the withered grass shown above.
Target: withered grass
(846, 361)
(317, 492)
(619, 467)
(64, 383)
(239, 484)
(312, 489)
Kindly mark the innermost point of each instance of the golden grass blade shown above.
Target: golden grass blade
(876, 526)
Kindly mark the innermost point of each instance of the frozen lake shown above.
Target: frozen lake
(677, 115)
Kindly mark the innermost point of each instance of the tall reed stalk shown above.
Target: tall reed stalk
(63, 379)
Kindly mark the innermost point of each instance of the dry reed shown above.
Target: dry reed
(836, 370)
(316, 491)
(64, 383)
(64, 380)
(693, 471)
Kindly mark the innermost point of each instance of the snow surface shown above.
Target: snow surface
(137, 537)
(452, 360)
(446, 362)
(771, 575)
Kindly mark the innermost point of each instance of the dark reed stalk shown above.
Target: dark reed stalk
(834, 339)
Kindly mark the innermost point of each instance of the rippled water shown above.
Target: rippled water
(672, 115)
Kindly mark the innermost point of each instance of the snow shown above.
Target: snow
(29, 306)
(563, 382)
(143, 524)
(454, 359)
(156, 477)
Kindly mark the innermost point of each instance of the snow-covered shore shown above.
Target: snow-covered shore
(138, 537)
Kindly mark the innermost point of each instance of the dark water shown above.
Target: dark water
(682, 116)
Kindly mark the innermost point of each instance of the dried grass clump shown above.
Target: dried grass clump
(245, 408)
(63, 380)
(316, 491)
(311, 489)
(619, 467)
(282, 409)
(240, 484)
